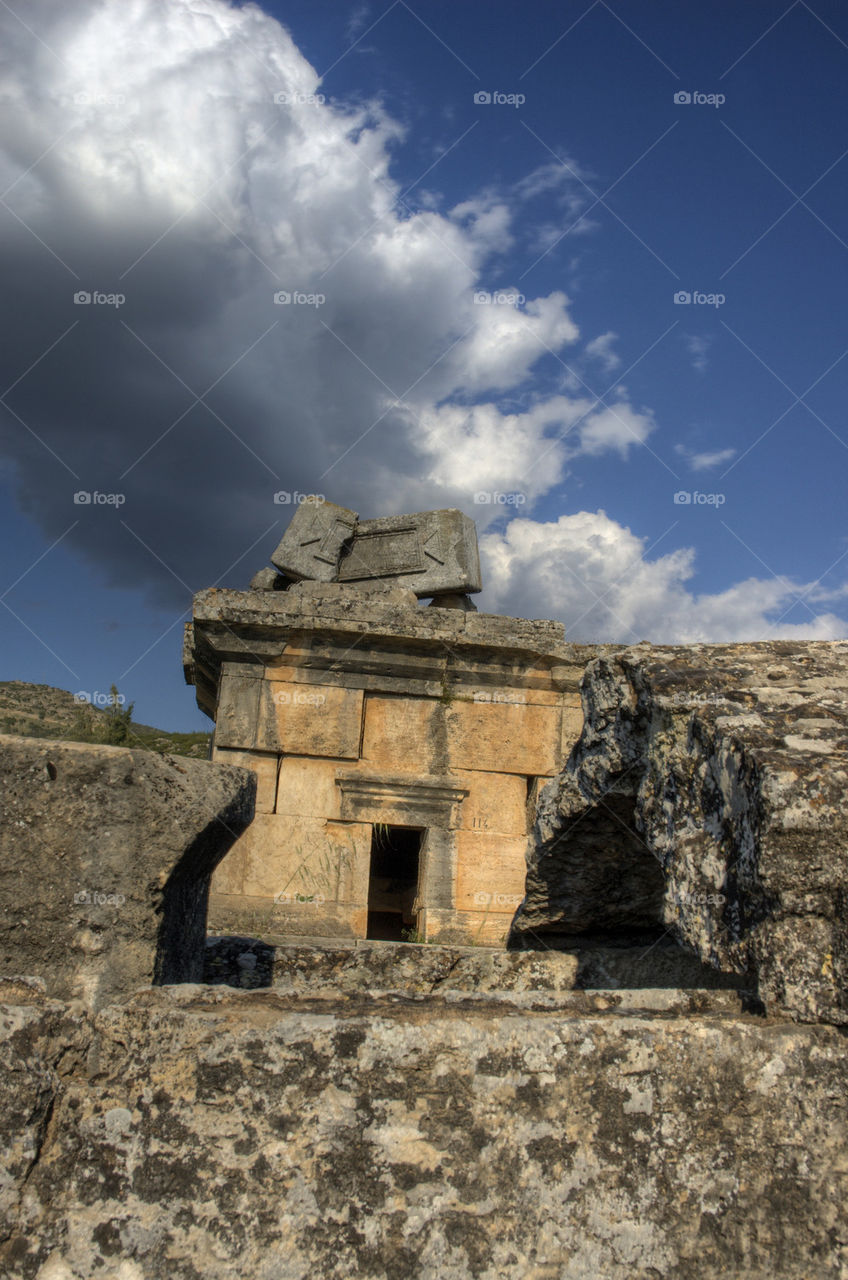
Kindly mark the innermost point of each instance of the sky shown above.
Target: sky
(578, 269)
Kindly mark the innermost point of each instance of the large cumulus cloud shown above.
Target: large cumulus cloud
(597, 575)
(178, 153)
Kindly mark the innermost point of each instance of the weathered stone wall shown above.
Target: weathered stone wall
(203, 1132)
(709, 785)
(359, 709)
(105, 860)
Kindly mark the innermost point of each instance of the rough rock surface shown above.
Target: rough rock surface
(728, 766)
(105, 861)
(333, 969)
(255, 1135)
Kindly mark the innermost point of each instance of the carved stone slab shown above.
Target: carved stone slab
(312, 544)
(431, 552)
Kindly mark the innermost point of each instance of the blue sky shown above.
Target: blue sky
(143, 156)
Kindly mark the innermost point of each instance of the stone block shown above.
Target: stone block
(302, 859)
(572, 724)
(238, 711)
(283, 920)
(312, 544)
(313, 720)
(307, 785)
(505, 737)
(264, 765)
(491, 872)
(404, 735)
(432, 552)
(496, 803)
(268, 580)
(465, 928)
(105, 863)
(440, 737)
(404, 801)
(364, 595)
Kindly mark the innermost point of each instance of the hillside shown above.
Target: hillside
(40, 711)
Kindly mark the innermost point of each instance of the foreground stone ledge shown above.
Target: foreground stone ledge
(256, 1135)
(105, 860)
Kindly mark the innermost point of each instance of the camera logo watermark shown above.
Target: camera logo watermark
(695, 99)
(500, 695)
(297, 298)
(298, 698)
(497, 899)
(687, 297)
(83, 498)
(87, 99)
(97, 699)
(484, 497)
(483, 98)
(500, 298)
(687, 497)
(700, 699)
(96, 298)
(285, 497)
(93, 898)
(285, 99)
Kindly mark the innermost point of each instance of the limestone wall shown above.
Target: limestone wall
(432, 719)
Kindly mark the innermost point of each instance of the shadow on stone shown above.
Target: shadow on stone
(234, 961)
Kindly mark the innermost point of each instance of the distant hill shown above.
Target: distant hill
(40, 711)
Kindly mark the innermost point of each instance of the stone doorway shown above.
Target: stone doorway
(393, 881)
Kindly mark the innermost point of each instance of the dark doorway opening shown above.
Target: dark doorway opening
(393, 883)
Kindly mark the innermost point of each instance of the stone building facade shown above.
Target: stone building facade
(398, 748)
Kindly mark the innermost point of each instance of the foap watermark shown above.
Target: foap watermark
(98, 98)
(482, 899)
(494, 497)
(94, 498)
(286, 899)
(700, 699)
(694, 298)
(94, 898)
(499, 298)
(298, 698)
(683, 98)
(699, 899)
(297, 298)
(97, 699)
(694, 498)
(509, 696)
(288, 98)
(286, 498)
(494, 98)
(97, 298)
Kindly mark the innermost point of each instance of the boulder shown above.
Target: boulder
(725, 766)
(106, 859)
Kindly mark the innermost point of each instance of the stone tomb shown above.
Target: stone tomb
(432, 553)
(398, 750)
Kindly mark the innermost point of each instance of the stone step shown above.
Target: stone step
(664, 979)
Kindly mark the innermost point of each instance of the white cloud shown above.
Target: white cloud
(593, 574)
(600, 349)
(148, 155)
(704, 461)
(698, 346)
(169, 172)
